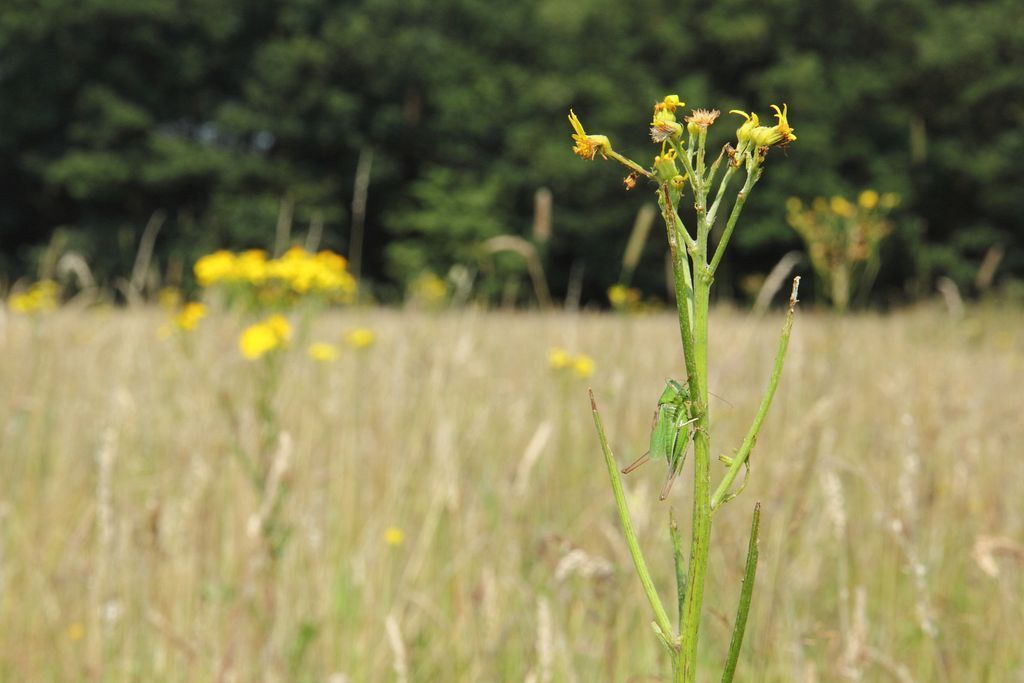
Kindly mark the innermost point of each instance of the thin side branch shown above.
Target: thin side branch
(660, 616)
(737, 208)
(743, 453)
(745, 593)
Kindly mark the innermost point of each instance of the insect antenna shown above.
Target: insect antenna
(636, 463)
(722, 399)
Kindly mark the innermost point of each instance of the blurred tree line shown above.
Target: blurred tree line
(221, 113)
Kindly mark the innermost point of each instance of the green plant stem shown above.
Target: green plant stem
(695, 180)
(722, 187)
(680, 565)
(743, 453)
(629, 163)
(660, 616)
(680, 267)
(741, 199)
(743, 610)
(701, 530)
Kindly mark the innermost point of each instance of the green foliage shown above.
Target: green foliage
(111, 110)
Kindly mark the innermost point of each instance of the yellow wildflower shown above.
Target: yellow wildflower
(841, 206)
(258, 340)
(559, 358)
(428, 288)
(360, 338)
(665, 167)
(794, 205)
(583, 366)
(76, 631)
(189, 316)
(40, 297)
(622, 297)
(261, 338)
(280, 326)
(890, 200)
(169, 298)
(323, 352)
(868, 199)
(215, 267)
(618, 295)
(587, 146)
(670, 103)
(744, 131)
(783, 128)
(251, 266)
(394, 536)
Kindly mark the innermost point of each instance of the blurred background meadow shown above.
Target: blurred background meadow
(302, 300)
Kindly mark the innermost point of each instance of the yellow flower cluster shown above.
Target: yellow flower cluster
(189, 316)
(623, 298)
(765, 136)
(361, 338)
(260, 339)
(580, 365)
(843, 238)
(427, 289)
(323, 352)
(394, 536)
(296, 272)
(41, 297)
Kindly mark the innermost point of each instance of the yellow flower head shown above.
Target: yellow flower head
(251, 266)
(258, 340)
(189, 316)
(587, 146)
(40, 297)
(868, 199)
(618, 295)
(665, 129)
(361, 338)
(394, 536)
(841, 206)
(744, 131)
(214, 268)
(622, 297)
(280, 326)
(323, 352)
(665, 166)
(428, 288)
(670, 103)
(76, 631)
(558, 358)
(583, 366)
(794, 205)
(169, 298)
(783, 128)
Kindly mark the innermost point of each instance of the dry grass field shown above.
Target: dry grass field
(890, 472)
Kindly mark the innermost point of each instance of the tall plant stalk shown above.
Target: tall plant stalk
(683, 408)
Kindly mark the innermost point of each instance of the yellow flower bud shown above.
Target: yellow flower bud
(743, 132)
(665, 166)
(868, 199)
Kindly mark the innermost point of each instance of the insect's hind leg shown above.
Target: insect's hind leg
(677, 462)
(637, 463)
